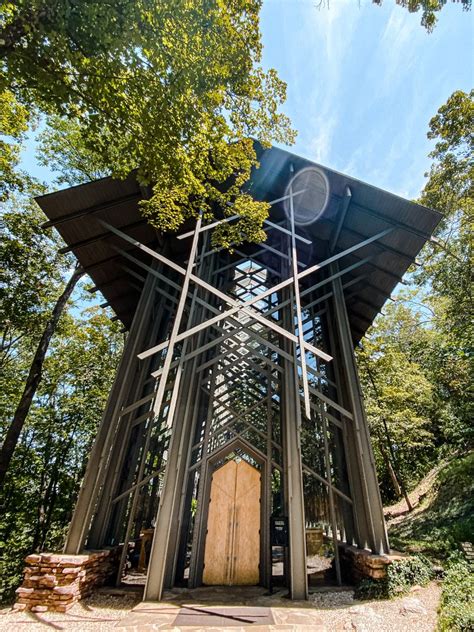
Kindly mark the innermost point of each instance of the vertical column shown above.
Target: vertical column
(265, 555)
(291, 426)
(185, 415)
(180, 434)
(345, 455)
(190, 395)
(199, 535)
(96, 466)
(376, 532)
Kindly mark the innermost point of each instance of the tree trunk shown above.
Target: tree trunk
(392, 471)
(34, 375)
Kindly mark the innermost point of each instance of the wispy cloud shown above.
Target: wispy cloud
(396, 48)
(326, 38)
(364, 81)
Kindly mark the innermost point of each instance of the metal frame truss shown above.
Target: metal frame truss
(246, 352)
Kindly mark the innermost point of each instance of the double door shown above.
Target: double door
(232, 550)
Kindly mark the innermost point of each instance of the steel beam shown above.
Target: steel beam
(95, 470)
(377, 535)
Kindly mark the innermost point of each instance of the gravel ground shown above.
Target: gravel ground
(99, 612)
(335, 612)
(416, 611)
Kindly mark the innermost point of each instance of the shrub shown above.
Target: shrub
(401, 574)
(456, 610)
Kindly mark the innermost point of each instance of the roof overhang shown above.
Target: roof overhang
(355, 211)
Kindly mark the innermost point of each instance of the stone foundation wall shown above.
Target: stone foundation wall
(55, 581)
(358, 564)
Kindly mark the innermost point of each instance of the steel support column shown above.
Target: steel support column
(294, 498)
(376, 535)
(96, 466)
(169, 496)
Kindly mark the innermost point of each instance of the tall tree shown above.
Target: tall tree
(31, 272)
(173, 88)
(37, 499)
(400, 398)
(448, 263)
(34, 375)
(34, 291)
(421, 351)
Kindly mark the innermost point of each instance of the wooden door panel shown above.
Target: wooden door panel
(232, 550)
(220, 526)
(247, 526)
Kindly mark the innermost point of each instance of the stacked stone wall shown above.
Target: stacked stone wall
(55, 581)
(358, 564)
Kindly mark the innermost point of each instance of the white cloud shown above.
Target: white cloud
(326, 40)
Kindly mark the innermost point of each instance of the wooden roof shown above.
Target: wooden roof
(75, 213)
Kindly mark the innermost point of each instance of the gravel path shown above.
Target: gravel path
(415, 612)
(331, 612)
(99, 612)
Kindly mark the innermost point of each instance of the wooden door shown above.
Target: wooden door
(232, 552)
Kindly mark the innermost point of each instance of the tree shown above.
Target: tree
(421, 351)
(429, 9)
(14, 119)
(56, 373)
(400, 398)
(34, 374)
(33, 290)
(174, 89)
(448, 262)
(31, 271)
(33, 298)
(41, 486)
(62, 149)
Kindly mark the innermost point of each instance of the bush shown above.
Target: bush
(401, 575)
(456, 610)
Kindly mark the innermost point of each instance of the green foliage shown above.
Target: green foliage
(450, 178)
(43, 481)
(429, 9)
(456, 610)
(174, 89)
(448, 264)
(61, 147)
(401, 575)
(14, 119)
(417, 362)
(445, 517)
(399, 396)
(31, 273)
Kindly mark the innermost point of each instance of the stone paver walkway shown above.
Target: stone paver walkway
(326, 611)
(334, 610)
(237, 608)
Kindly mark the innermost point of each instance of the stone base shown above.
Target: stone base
(358, 564)
(55, 581)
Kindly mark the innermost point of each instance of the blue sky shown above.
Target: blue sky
(364, 81)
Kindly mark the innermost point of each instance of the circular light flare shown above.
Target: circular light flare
(310, 191)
